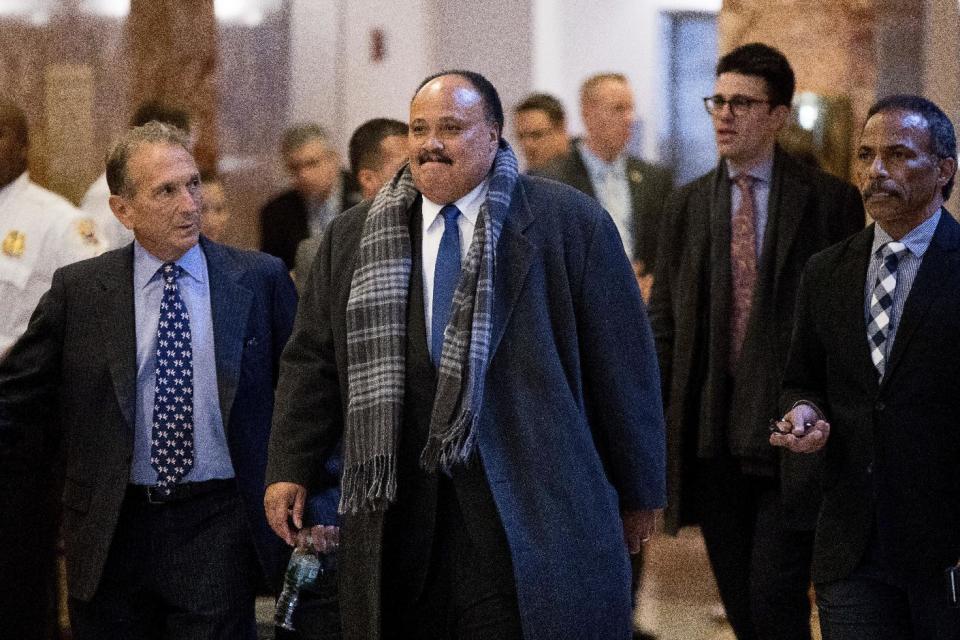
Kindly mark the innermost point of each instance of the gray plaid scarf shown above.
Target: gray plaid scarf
(376, 320)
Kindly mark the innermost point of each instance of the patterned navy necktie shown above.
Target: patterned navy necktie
(743, 265)
(445, 277)
(171, 449)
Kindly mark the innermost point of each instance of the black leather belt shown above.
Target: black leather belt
(179, 491)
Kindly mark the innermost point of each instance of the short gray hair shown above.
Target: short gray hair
(150, 133)
(299, 135)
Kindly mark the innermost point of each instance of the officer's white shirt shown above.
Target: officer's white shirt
(39, 232)
(96, 204)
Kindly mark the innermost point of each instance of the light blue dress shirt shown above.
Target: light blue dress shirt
(917, 242)
(612, 187)
(211, 455)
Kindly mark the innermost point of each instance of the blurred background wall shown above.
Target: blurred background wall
(247, 68)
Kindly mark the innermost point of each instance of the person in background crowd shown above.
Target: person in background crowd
(320, 191)
(872, 381)
(377, 150)
(215, 213)
(540, 124)
(39, 232)
(498, 403)
(95, 201)
(155, 364)
(631, 190)
(733, 246)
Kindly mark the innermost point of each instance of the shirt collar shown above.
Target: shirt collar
(760, 172)
(146, 265)
(14, 187)
(598, 168)
(917, 240)
(469, 205)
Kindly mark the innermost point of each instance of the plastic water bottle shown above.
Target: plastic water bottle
(303, 568)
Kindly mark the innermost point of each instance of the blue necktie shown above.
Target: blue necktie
(445, 278)
(171, 448)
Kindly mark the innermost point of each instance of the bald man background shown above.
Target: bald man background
(502, 435)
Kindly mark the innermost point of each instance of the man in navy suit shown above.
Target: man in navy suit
(155, 365)
(873, 381)
(477, 341)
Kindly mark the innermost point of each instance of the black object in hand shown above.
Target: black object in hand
(783, 427)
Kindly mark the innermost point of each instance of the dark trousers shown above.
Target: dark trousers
(870, 605)
(30, 508)
(184, 570)
(762, 569)
(469, 594)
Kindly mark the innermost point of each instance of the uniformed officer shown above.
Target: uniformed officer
(39, 231)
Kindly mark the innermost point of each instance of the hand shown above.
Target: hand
(325, 539)
(644, 280)
(284, 501)
(802, 439)
(638, 526)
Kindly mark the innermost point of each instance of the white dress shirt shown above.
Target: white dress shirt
(433, 225)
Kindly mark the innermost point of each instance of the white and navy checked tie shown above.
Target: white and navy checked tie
(881, 303)
(171, 449)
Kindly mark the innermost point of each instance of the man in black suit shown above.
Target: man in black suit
(155, 364)
(321, 190)
(733, 246)
(874, 368)
(631, 190)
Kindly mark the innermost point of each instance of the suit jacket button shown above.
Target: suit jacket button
(879, 406)
(870, 468)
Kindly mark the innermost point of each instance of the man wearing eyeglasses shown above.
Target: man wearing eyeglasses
(729, 259)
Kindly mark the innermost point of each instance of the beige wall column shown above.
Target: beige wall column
(831, 45)
(173, 49)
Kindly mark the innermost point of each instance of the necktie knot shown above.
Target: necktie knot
(170, 271)
(744, 182)
(450, 214)
(893, 252)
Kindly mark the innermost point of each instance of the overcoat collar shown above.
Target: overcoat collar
(514, 254)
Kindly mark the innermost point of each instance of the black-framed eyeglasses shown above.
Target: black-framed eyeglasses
(738, 104)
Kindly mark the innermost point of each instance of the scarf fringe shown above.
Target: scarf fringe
(369, 485)
(452, 446)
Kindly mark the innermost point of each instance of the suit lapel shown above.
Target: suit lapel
(785, 209)
(578, 176)
(939, 262)
(118, 325)
(851, 278)
(230, 303)
(514, 255)
(636, 178)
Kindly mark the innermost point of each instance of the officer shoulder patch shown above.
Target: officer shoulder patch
(87, 231)
(14, 244)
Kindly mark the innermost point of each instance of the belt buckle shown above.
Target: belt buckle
(155, 495)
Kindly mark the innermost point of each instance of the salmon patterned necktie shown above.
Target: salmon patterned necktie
(743, 265)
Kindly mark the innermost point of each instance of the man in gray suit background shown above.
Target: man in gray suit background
(631, 190)
(155, 365)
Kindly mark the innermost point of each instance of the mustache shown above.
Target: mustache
(873, 189)
(428, 156)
